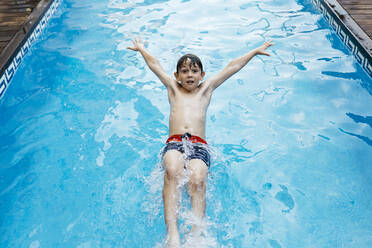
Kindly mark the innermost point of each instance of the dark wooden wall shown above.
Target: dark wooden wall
(13, 14)
(361, 11)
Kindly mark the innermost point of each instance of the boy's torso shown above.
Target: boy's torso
(188, 110)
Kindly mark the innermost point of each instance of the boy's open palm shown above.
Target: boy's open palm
(137, 44)
(262, 49)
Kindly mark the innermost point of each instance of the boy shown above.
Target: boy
(188, 101)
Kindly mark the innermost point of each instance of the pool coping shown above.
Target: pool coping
(13, 54)
(351, 34)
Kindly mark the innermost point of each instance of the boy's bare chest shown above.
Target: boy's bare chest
(191, 102)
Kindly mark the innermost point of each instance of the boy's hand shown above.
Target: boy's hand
(261, 50)
(138, 44)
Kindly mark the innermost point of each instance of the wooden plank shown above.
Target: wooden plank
(23, 10)
(5, 38)
(18, 2)
(13, 14)
(13, 17)
(6, 9)
(358, 7)
(354, 1)
(368, 27)
(10, 28)
(362, 17)
(8, 33)
(13, 4)
(360, 12)
(3, 44)
(15, 20)
(365, 22)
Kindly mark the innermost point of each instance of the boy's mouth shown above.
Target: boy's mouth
(190, 81)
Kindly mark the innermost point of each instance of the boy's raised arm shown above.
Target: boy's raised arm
(151, 61)
(236, 65)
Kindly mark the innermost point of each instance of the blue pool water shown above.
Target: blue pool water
(84, 120)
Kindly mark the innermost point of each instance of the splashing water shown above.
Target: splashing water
(202, 238)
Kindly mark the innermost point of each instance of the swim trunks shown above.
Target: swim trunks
(198, 147)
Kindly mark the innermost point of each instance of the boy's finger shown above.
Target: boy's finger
(265, 53)
(268, 43)
(132, 48)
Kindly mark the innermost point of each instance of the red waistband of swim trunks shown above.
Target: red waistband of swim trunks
(187, 136)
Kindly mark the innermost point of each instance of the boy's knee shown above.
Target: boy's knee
(173, 165)
(197, 179)
(173, 171)
(198, 174)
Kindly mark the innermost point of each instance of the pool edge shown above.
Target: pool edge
(350, 33)
(14, 53)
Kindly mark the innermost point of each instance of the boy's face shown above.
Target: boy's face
(189, 75)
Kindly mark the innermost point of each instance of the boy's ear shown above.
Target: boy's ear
(176, 75)
(202, 74)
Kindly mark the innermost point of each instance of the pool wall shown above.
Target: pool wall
(336, 16)
(30, 32)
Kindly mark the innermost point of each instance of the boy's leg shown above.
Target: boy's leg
(173, 162)
(197, 188)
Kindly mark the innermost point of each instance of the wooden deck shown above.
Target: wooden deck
(13, 14)
(361, 12)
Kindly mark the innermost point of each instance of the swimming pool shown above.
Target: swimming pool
(84, 120)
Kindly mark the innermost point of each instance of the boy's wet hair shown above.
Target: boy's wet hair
(194, 60)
